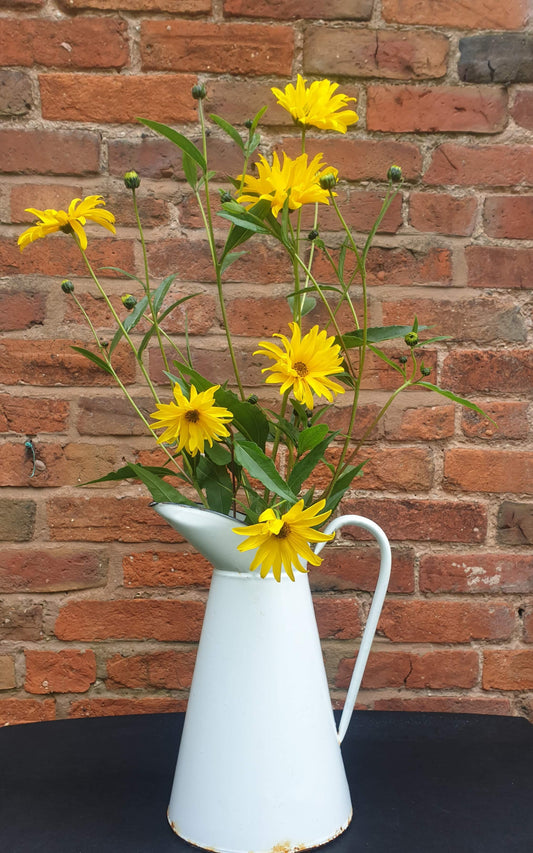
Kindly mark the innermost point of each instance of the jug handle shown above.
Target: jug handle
(375, 609)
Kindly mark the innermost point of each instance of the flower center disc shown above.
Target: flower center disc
(193, 416)
(301, 368)
(284, 532)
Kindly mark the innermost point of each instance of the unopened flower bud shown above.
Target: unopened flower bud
(403, 359)
(312, 235)
(132, 180)
(248, 123)
(425, 371)
(411, 339)
(199, 92)
(129, 301)
(394, 175)
(67, 286)
(328, 181)
(225, 196)
(253, 399)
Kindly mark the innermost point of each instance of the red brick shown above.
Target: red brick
(360, 159)
(353, 10)
(397, 55)
(134, 619)
(463, 704)
(511, 420)
(522, 109)
(356, 568)
(57, 465)
(488, 371)
(21, 622)
(488, 470)
(443, 669)
(166, 569)
(498, 266)
(55, 363)
(155, 157)
(171, 670)
(509, 216)
(360, 209)
(383, 669)
(79, 43)
(439, 213)
(106, 519)
(111, 416)
(7, 672)
(32, 414)
(65, 671)
(99, 97)
(21, 309)
(399, 267)
(480, 165)
(111, 707)
(476, 573)
(239, 99)
(49, 152)
(422, 520)
(415, 109)
(439, 621)
(17, 520)
(508, 669)
(13, 711)
(337, 618)
(252, 49)
(51, 569)
(478, 14)
(528, 626)
(408, 469)
(427, 423)
(56, 254)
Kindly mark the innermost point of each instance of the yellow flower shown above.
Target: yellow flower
(317, 105)
(281, 542)
(305, 365)
(297, 179)
(192, 422)
(70, 222)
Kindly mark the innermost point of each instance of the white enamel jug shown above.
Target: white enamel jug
(260, 766)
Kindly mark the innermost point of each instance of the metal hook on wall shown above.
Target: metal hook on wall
(31, 448)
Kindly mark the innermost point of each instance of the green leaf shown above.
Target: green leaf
(308, 304)
(375, 335)
(342, 485)
(257, 118)
(456, 399)
(129, 322)
(190, 170)
(380, 354)
(239, 234)
(199, 381)
(158, 488)
(127, 473)
(263, 469)
(248, 223)
(161, 291)
(305, 466)
(229, 129)
(94, 358)
(216, 482)
(124, 272)
(229, 259)
(248, 418)
(310, 437)
(218, 453)
(178, 139)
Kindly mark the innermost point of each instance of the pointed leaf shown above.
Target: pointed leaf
(190, 170)
(263, 469)
(161, 291)
(158, 488)
(456, 399)
(94, 358)
(310, 437)
(305, 466)
(249, 419)
(229, 129)
(178, 139)
(129, 322)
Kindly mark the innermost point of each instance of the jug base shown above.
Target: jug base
(280, 847)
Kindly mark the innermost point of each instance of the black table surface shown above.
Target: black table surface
(420, 783)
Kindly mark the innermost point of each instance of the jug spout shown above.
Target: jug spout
(210, 533)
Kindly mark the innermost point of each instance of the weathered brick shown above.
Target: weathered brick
(98, 97)
(41, 196)
(462, 704)
(489, 371)
(21, 309)
(238, 99)
(522, 109)
(509, 216)
(435, 670)
(58, 255)
(496, 58)
(13, 711)
(407, 469)
(400, 267)
(155, 157)
(112, 416)
(479, 14)
(16, 97)
(360, 159)
(439, 213)
(7, 672)
(252, 49)
(421, 520)
(383, 669)
(49, 152)
(427, 423)
(480, 165)
(51, 363)
(353, 10)
(400, 55)
(111, 707)
(356, 568)
(528, 625)
(509, 420)
(476, 573)
(32, 415)
(17, 520)
(166, 569)
(63, 43)
(22, 4)
(136, 619)
(435, 621)
(51, 569)
(21, 622)
(415, 109)
(515, 523)
(171, 670)
(508, 669)
(337, 618)
(488, 470)
(106, 519)
(499, 266)
(65, 671)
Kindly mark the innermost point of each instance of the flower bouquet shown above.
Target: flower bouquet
(229, 450)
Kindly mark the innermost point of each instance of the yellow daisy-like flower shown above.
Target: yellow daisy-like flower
(296, 179)
(317, 105)
(70, 222)
(192, 422)
(282, 542)
(305, 365)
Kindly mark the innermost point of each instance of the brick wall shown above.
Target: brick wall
(101, 605)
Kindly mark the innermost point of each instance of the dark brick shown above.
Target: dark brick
(17, 520)
(515, 523)
(15, 93)
(501, 58)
